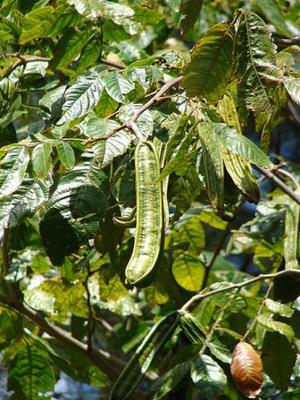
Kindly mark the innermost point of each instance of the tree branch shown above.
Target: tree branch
(284, 43)
(108, 363)
(286, 189)
(4, 252)
(261, 277)
(131, 124)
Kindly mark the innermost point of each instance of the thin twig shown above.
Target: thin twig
(284, 43)
(216, 324)
(286, 189)
(261, 277)
(131, 124)
(219, 246)
(253, 323)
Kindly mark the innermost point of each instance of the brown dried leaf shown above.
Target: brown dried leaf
(246, 370)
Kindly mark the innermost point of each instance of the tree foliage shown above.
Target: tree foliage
(207, 211)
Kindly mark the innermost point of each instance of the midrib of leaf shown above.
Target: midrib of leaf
(253, 62)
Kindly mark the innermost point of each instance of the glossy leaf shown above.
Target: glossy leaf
(276, 326)
(208, 376)
(292, 86)
(26, 200)
(242, 146)
(81, 98)
(278, 308)
(117, 86)
(12, 170)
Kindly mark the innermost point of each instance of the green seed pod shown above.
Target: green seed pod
(149, 219)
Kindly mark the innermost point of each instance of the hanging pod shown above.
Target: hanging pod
(149, 217)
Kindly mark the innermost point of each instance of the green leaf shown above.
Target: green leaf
(31, 374)
(240, 145)
(291, 233)
(69, 47)
(66, 154)
(89, 55)
(11, 326)
(106, 150)
(41, 160)
(74, 211)
(26, 200)
(292, 86)
(46, 22)
(190, 10)
(238, 169)
(188, 272)
(101, 8)
(144, 122)
(219, 349)
(81, 98)
(117, 86)
(278, 359)
(208, 376)
(70, 361)
(278, 308)
(211, 65)
(280, 327)
(106, 106)
(258, 67)
(272, 12)
(170, 380)
(212, 158)
(188, 234)
(12, 170)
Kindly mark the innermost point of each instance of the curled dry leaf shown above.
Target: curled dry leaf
(246, 370)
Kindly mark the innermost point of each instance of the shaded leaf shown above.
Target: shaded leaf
(208, 376)
(257, 62)
(190, 10)
(212, 158)
(31, 373)
(211, 65)
(170, 380)
(278, 359)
